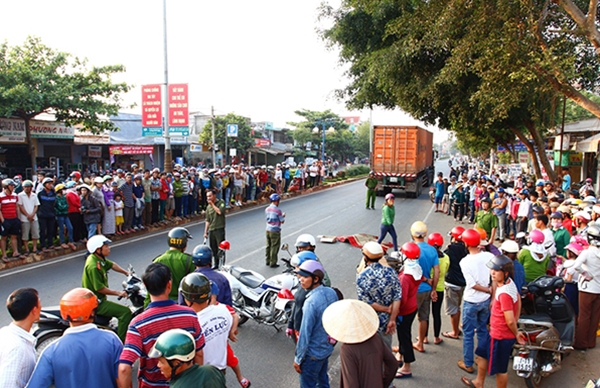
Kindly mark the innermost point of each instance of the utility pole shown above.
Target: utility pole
(214, 144)
(168, 166)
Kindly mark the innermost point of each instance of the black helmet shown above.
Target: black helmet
(486, 200)
(501, 263)
(593, 235)
(202, 255)
(178, 237)
(195, 287)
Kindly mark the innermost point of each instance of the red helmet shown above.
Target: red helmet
(457, 232)
(224, 245)
(411, 250)
(471, 238)
(435, 240)
(76, 175)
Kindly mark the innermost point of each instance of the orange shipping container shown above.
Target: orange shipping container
(401, 149)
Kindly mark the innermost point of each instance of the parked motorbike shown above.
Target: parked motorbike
(268, 301)
(550, 331)
(432, 194)
(51, 326)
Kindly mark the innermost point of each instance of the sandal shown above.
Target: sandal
(467, 382)
(447, 335)
(5, 259)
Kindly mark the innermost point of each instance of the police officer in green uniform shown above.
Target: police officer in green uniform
(95, 278)
(179, 262)
(215, 224)
(371, 184)
(175, 350)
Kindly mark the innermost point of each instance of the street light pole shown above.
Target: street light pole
(322, 123)
(168, 155)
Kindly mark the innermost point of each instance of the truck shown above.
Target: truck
(402, 159)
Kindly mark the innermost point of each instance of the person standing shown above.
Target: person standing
(214, 224)
(95, 278)
(155, 187)
(365, 360)
(90, 209)
(523, 211)
(147, 184)
(98, 194)
(74, 212)
(486, 219)
(11, 226)
(179, 262)
(178, 193)
(160, 315)
(202, 258)
(388, 213)
(566, 180)
(109, 226)
(379, 287)
(47, 214)
(84, 350)
(139, 204)
(28, 204)
(129, 200)
(476, 303)
(61, 207)
(275, 218)
(454, 281)
(314, 346)
(17, 345)
(499, 208)
(371, 184)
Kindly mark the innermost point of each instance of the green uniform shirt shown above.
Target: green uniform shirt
(198, 376)
(487, 221)
(95, 275)
(215, 220)
(533, 268)
(371, 183)
(388, 213)
(562, 238)
(180, 265)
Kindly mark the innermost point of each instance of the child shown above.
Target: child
(459, 199)
(504, 313)
(119, 213)
(388, 212)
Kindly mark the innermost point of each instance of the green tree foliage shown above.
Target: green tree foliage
(362, 140)
(242, 142)
(36, 79)
(339, 143)
(490, 70)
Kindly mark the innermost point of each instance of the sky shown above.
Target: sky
(262, 59)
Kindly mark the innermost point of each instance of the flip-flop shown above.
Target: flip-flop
(468, 382)
(447, 335)
(400, 375)
(417, 349)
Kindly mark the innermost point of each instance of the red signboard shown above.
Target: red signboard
(130, 150)
(151, 106)
(178, 105)
(263, 143)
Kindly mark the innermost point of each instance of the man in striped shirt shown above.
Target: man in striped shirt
(161, 315)
(275, 217)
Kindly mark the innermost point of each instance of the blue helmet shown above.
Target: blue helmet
(301, 257)
(274, 197)
(202, 255)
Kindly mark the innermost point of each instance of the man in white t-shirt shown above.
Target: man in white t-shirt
(28, 204)
(215, 320)
(523, 212)
(476, 297)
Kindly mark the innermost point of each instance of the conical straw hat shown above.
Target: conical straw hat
(350, 321)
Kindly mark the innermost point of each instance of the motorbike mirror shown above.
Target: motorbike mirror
(285, 247)
(521, 235)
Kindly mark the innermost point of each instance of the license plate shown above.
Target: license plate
(523, 364)
(393, 179)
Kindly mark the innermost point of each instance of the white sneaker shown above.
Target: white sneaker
(142, 227)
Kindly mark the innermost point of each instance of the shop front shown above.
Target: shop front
(123, 156)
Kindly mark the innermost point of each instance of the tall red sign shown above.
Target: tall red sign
(151, 106)
(178, 105)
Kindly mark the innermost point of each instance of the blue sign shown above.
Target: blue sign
(179, 131)
(232, 130)
(520, 147)
(152, 131)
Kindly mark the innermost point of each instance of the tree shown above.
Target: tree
(36, 79)
(338, 143)
(241, 143)
(362, 142)
(462, 65)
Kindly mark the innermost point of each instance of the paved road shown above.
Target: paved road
(266, 355)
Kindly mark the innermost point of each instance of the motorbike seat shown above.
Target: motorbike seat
(246, 277)
(102, 320)
(536, 319)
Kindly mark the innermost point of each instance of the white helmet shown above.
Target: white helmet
(98, 179)
(305, 240)
(96, 242)
(509, 246)
(372, 250)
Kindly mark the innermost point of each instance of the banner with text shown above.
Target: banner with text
(151, 106)
(131, 150)
(178, 105)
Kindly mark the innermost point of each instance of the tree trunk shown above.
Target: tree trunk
(530, 149)
(539, 142)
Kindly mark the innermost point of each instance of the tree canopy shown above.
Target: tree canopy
(35, 79)
(486, 69)
(241, 143)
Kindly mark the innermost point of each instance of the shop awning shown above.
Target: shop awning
(589, 144)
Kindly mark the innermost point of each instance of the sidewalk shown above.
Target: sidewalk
(59, 251)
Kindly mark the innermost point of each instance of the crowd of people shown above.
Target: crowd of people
(120, 202)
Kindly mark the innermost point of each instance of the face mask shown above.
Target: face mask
(556, 223)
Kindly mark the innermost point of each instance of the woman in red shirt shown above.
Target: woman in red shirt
(410, 278)
(74, 214)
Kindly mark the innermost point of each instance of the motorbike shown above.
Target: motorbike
(549, 331)
(267, 301)
(51, 326)
(432, 194)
